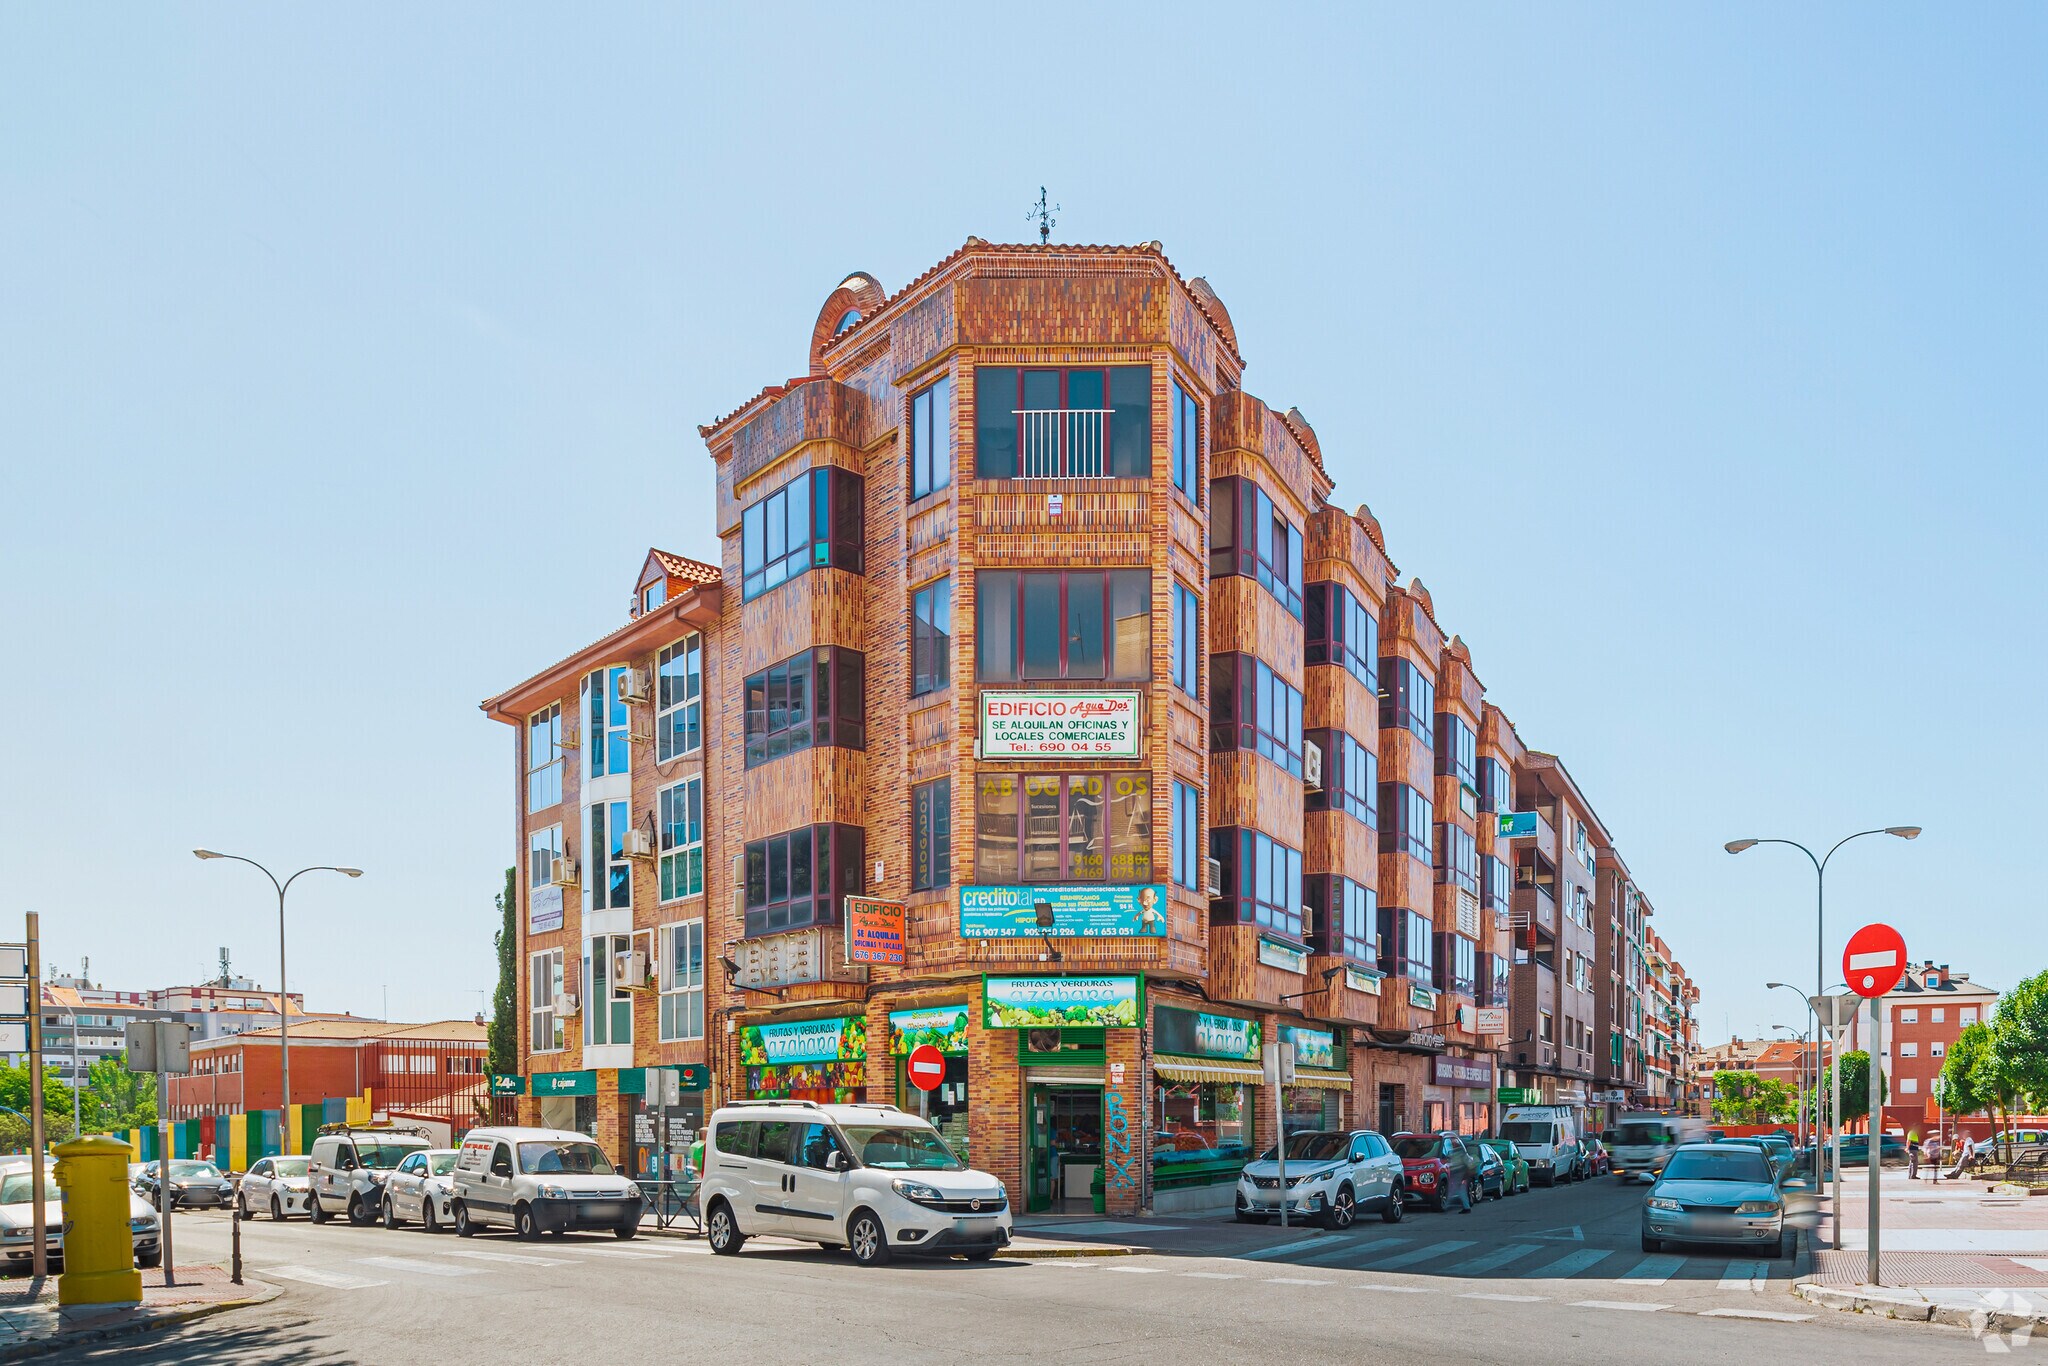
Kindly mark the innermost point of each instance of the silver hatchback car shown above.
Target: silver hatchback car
(1716, 1193)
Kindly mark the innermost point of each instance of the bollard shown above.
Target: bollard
(99, 1249)
(236, 1274)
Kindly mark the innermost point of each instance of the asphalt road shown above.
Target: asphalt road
(371, 1296)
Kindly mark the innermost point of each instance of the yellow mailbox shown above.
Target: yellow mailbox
(99, 1254)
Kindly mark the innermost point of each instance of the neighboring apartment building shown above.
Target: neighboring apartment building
(99, 1017)
(434, 1069)
(1924, 1014)
(1041, 705)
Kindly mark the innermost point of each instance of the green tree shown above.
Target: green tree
(1855, 1086)
(1746, 1098)
(117, 1099)
(2019, 1040)
(15, 1092)
(501, 1045)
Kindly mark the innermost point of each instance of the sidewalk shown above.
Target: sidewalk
(31, 1324)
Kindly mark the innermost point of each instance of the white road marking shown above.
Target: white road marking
(1653, 1270)
(1628, 1305)
(1423, 1254)
(1396, 1289)
(1136, 1270)
(1507, 1299)
(411, 1265)
(1499, 1257)
(1212, 1275)
(1753, 1314)
(511, 1258)
(1745, 1276)
(1281, 1249)
(1347, 1249)
(1571, 1264)
(612, 1252)
(1292, 1280)
(313, 1275)
(1563, 1233)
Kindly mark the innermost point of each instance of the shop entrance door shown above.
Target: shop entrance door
(1390, 1108)
(1062, 1147)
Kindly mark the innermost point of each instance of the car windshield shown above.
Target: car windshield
(381, 1155)
(1633, 1134)
(901, 1148)
(194, 1171)
(18, 1188)
(442, 1163)
(1313, 1147)
(1415, 1145)
(568, 1158)
(1526, 1131)
(1728, 1164)
(288, 1166)
(1501, 1146)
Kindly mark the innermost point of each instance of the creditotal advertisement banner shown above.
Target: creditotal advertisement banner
(1093, 911)
(773, 1045)
(1035, 725)
(943, 1027)
(1042, 1002)
(1312, 1047)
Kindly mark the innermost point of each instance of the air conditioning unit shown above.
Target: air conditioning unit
(1308, 920)
(637, 843)
(565, 1005)
(634, 685)
(1214, 868)
(629, 968)
(562, 872)
(1312, 765)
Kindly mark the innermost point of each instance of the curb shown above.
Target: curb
(1910, 1308)
(1014, 1253)
(169, 1318)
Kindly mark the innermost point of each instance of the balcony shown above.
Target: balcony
(1062, 443)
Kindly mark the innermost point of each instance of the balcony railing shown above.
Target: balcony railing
(1062, 443)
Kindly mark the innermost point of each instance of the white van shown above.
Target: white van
(537, 1181)
(1549, 1137)
(1640, 1144)
(866, 1177)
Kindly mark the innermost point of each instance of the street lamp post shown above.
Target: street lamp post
(1815, 1092)
(1820, 977)
(1799, 1091)
(284, 1033)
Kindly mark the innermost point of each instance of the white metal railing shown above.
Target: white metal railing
(1062, 443)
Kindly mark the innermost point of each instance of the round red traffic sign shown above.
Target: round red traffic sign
(927, 1067)
(1874, 960)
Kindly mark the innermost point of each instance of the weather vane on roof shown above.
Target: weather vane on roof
(1043, 216)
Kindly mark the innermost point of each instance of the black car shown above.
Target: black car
(194, 1185)
(1493, 1172)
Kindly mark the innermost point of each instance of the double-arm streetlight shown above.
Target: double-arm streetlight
(1820, 972)
(284, 1033)
(1787, 986)
(1799, 1092)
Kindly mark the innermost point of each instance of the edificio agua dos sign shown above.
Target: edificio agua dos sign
(1031, 725)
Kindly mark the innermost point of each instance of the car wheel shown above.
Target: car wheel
(276, 1210)
(865, 1236)
(149, 1261)
(429, 1221)
(1652, 1244)
(524, 1226)
(316, 1211)
(1343, 1210)
(1395, 1209)
(242, 1207)
(722, 1231)
(626, 1232)
(1442, 1204)
(390, 1213)
(463, 1227)
(359, 1213)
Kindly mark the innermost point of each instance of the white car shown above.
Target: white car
(17, 1220)
(1331, 1176)
(869, 1178)
(422, 1187)
(277, 1185)
(540, 1181)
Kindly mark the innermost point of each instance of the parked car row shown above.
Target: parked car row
(17, 1219)
(1334, 1175)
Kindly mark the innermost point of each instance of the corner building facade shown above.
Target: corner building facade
(1052, 716)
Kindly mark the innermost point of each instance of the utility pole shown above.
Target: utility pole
(40, 1265)
(1875, 1150)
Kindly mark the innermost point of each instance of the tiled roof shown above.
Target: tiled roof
(356, 1027)
(683, 567)
(709, 429)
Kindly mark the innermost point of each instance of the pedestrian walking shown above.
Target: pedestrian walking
(1912, 1156)
(1931, 1155)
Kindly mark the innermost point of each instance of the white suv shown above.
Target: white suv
(866, 1177)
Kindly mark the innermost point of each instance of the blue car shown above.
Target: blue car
(1716, 1193)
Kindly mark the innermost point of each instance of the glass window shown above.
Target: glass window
(1340, 631)
(1254, 539)
(1184, 443)
(1187, 640)
(1053, 827)
(931, 835)
(1202, 1122)
(544, 758)
(1456, 749)
(1407, 698)
(1261, 881)
(682, 981)
(1253, 708)
(679, 693)
(604, 707)
(680, 818)
(812, 521)
(931, 438)
(816, 698)
(1496, 787)
(1496, 884)
(1078, 423)
(1406, 817)
(609, 881)
(543, 847)
(1079, 623)
(1350, 776)
(607, 1007)
(796, 879)
(1189, 848)
(931, 637)
(1457, 856)
(653, 595)
(1457, 965)
(544, 1030)
(1407, 945)
(1346, 916)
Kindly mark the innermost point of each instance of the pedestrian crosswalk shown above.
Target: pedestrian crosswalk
(1464, 1259)
(456, 1262)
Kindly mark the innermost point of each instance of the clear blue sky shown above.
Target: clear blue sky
(349, 363)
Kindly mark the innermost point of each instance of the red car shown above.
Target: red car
(1597, 1158)
(1439, 1170)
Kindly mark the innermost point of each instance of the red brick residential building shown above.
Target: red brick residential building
(1924, 1014)
(432, 1069)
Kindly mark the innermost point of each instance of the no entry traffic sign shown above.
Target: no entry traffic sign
(1874, 960)
(927, 1067)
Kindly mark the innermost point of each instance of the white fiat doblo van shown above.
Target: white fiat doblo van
(537, 1181)
(865, 1177)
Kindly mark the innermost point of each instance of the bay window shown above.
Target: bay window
(1063, 623)
(1261, 881)
(1252, 708)
(607, 723)
(1350, 776)
(1248, 535)
(1187, 640)
(809, 523)
(1407, 697)
(1457, 856)
(1407, 945)
(796, 879)
(1496, 787)
(1184, 443)
(679, 699)
(544, 758)
(1456, 749)
(1457, 964)
(680, 822)
(608, 875)
(607, 1004)
(1032, 828)
(1340, 631)
(1405, 820)
(815, 698)
(1346, 918)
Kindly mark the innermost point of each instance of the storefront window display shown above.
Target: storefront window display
(1210, 1119)
(821, 1060)
(944, 1028)
(1205, 1075)
(1307, 1108)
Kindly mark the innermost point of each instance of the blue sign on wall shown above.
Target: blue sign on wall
(1078, 912)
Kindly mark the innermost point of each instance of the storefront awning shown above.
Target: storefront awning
(1315, 1076)
(1205, 1069)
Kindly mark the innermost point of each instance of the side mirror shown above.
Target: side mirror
(835, 1161)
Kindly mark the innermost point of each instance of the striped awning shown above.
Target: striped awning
(1316, 1076)
(1205, 1069)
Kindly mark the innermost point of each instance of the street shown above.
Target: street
(1525, 1276)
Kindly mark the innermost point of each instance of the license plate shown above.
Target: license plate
(975, 1228)
(606, 1212)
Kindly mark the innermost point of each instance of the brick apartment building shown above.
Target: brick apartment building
(1039, 702)
(434, 1069)
(1924, 1014)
